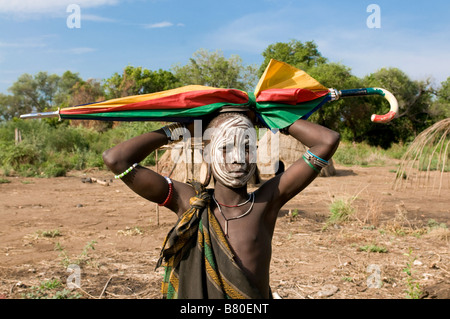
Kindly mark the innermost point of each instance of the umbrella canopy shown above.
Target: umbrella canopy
(283, 95)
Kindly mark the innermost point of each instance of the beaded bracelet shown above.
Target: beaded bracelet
(126, 172)
(310, 165)
(316, 160)
(169, 195)
(320, 159)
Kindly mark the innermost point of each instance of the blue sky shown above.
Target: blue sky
(157, 34)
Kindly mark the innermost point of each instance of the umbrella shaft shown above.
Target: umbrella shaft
(353, 92)
(40, 115)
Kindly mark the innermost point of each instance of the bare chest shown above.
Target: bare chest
(249, 235)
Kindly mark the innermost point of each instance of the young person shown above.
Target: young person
(221, 244)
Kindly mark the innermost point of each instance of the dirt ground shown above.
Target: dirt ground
(115, 237)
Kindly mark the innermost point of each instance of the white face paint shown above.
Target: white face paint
(233, 151)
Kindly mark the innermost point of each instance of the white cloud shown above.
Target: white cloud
(163, 24)
(41, 6)
(76, 51)
(36, 42)
(96, 18)
(81, 50)
(21, 45)
(35, 9)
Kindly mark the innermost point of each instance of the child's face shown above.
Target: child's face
(233, 151)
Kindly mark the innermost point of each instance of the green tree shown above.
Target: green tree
(66, 85)
(300, 55)
(137, 80)
(441, 106)
(11, 106)
(84, 92)
(213, 69)
(37, 92)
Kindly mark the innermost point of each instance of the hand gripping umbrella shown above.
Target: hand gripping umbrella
(283, 95)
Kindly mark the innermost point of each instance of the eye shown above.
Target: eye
(247, 145)
(224, 148)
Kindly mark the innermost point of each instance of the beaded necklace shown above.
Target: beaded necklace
(252, 197)
(238, 205)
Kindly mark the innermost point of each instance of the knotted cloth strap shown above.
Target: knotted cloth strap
(187, 225)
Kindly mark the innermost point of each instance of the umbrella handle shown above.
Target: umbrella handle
(385, 118)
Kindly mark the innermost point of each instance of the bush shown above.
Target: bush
(353, 154)
(341, 211)
(51, 149)
(18, 155)
(362, 154)
(53, 170)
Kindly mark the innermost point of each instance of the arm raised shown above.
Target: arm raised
(143, 181)
(322, 142)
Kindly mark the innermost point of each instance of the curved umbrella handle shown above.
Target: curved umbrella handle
(392, 102)
(372, 91)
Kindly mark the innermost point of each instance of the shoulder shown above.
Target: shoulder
(269, 192)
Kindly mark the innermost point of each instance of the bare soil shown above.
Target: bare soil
(115, 237)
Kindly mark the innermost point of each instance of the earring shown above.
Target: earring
(205, 174)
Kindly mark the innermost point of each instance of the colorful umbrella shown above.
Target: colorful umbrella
(283, 95)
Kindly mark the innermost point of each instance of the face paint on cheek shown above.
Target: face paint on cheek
(232, 179)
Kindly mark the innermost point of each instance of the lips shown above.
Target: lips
(238, 173)
(237, 168)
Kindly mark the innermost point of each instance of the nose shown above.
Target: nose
(237, 155)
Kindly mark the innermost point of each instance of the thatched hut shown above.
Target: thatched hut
(427, 161)
(289, 151)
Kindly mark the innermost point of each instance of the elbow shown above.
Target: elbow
(331, 142)
(334, 139)
(110, 160)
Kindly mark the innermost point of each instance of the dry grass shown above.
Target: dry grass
(360, 207)
(372, 212)
(428, 152)
(401, 225)
(440, 233)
